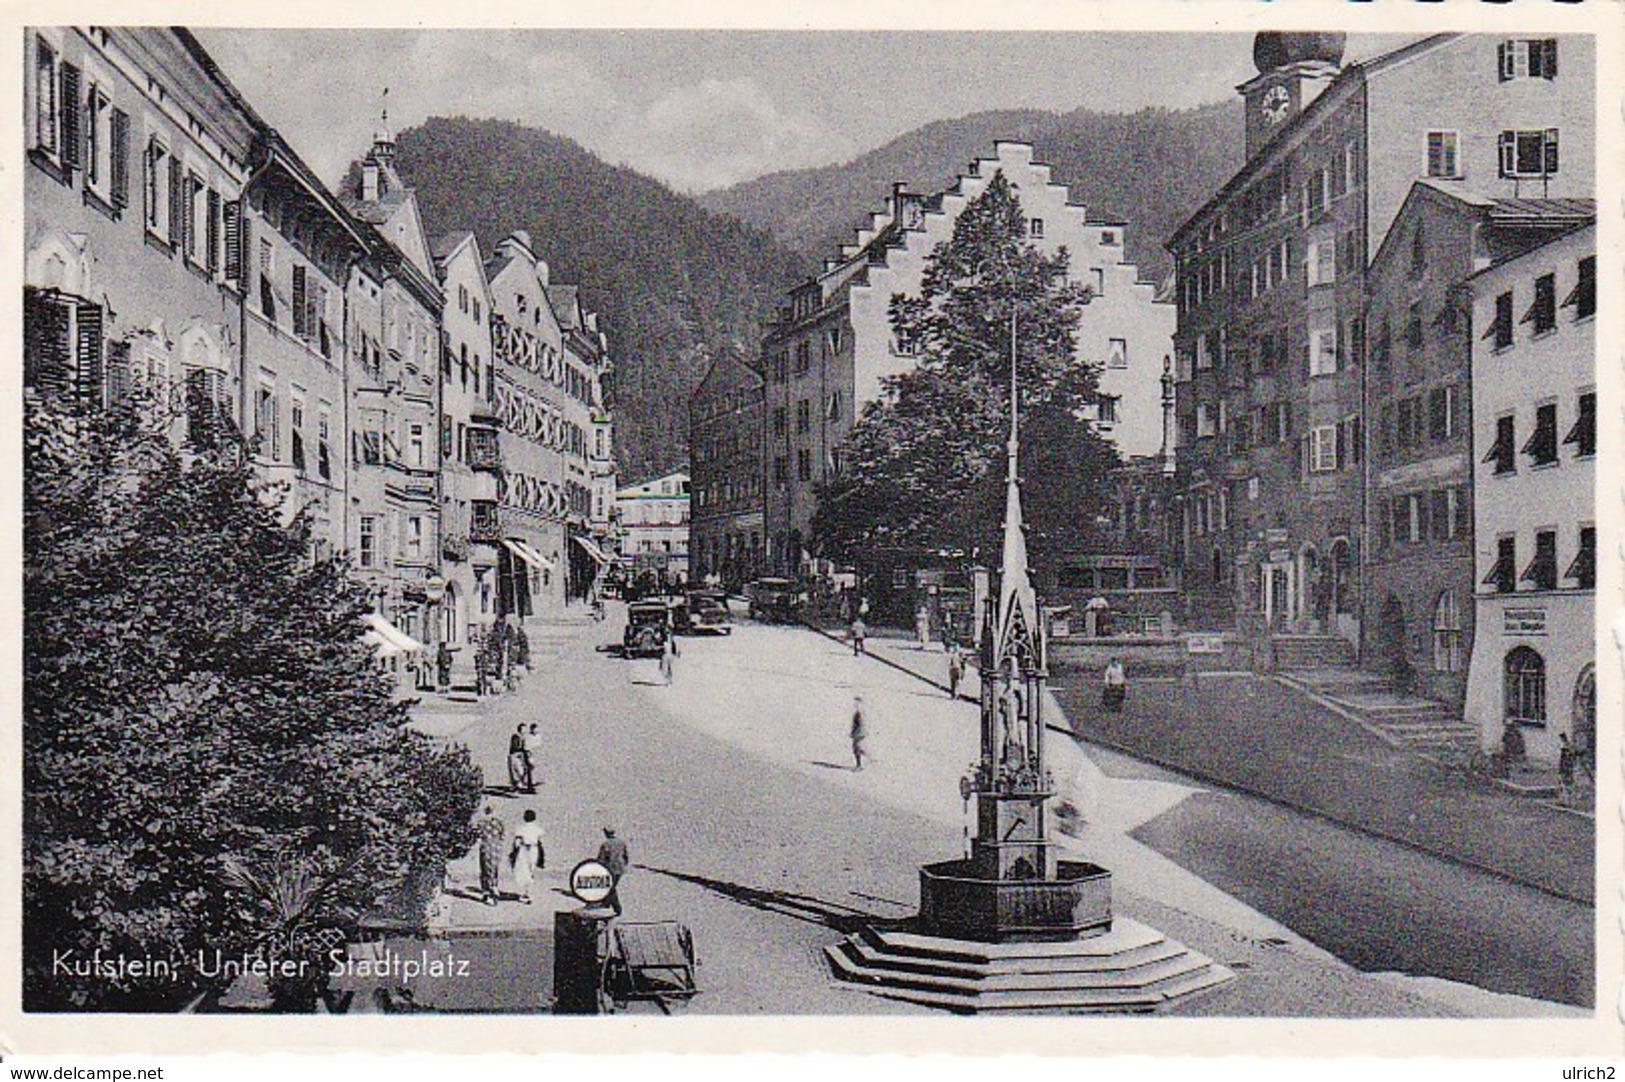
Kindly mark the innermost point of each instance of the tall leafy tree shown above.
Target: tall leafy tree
(923, 467)
(212, 758)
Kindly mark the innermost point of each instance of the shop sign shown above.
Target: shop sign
(1204, 644)
(1525, 621)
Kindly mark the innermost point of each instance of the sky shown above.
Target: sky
(706, 109)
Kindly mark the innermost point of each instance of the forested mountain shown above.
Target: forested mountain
(1151, 169)
(673, 283)
(678, 279)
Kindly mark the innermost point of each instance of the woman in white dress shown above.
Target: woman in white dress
(527, 855)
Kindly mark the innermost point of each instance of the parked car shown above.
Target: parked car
(773, 600)
(708, 611)
(647, 625)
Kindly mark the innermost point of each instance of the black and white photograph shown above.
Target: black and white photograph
(901, 523)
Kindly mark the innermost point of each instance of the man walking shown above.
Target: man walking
(491, 832)
(859, 733)
(956, 671)
(612, 854)
(857, 636)
(533, 755)
(520, 775)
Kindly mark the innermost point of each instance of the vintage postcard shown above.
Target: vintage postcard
(896, 528)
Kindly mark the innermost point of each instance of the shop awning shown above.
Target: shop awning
(528, 554)
(387, 639)
(593, 550)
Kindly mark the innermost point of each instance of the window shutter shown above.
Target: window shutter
(233, 220)
(1342, 449)
(1549, 68)
(1549, 159)
(1502, 55)
(301, 303)
(72, 127)
(211, 245)
(177, 223)
(88, 356)
(47, 343)
(1507, 144)
(119, 152)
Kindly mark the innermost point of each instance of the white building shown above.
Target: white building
(1534, 522)
(654, 524)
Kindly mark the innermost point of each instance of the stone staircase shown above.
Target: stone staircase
(1399, 720)
(1294, 653)
(1129, 969)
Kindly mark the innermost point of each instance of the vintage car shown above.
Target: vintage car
(773, 600)
(647, 625)
(708, 611)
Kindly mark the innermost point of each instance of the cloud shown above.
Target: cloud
(719, 131)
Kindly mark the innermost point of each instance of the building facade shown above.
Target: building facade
(831, 346)
(725, 448)
(395, 306)
(1419, 575)
(1272, 338)
(470, 451)
(587, 431)
(1535, 537)
(137, 156)
(655, 526)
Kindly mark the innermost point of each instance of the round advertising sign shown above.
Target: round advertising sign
(591, 882)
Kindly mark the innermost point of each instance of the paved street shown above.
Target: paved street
(734, 789)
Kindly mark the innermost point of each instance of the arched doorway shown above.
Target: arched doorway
(1524, 686)
(1313, 599)
(1584, 718)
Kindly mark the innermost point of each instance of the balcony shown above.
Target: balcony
(484, 522)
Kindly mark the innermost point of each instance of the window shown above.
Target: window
(1283, 421)
(804, 416)
(1108, 238)
(1501, 452)
(414, 445)
(1543, 312)
(1584, 433)
(1443, 156)
(47, 113)
(414, 537)
(1584, 568)
(158, 189)
(1542, 570)
(834, 413)
(1524, 680)
(1321, 262)
(194, 219)
(804, 464)
(1413, 328)
(781, 421)
(98, 141)
(1527, 58)
(369, 541)
(265, 422)
(267, 279)
(1528, 153)
(1584, 294)
(1203, 360)
(1117, 353)
(296, 431)
(1323, 449)
(1542, 444)
(324, 443)
(207, 406)
(1036, 228)
(1501, 329)
(803, 357)
(1108, 408)
(1446, 633)
(1204, 420)
(781, 471)
(371, 447)
(1323, 352)
(1441, 410)
(1503, 574)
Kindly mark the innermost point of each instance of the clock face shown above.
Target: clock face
(1277, 104)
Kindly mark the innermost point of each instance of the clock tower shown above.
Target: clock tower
(1292, 70)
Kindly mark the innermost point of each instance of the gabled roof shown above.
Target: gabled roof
(1543, 211)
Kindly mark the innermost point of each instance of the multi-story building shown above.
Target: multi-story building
(1419, 477)
(831, 347)
(1534, 422)
(654, 526)
(470, 451)
(725, 419)
(1272, 339)
(579, 397)
(137, 154)
(395, 304)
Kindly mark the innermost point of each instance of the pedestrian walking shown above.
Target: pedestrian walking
(956, 671)
(442, 664)
(1114, 686)
(491, 832)
(613, 855)
(859, 733)
(922, 626)
(668, 652)
(858, 631)
(527, 855)
(533, 755)
(520, 777)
